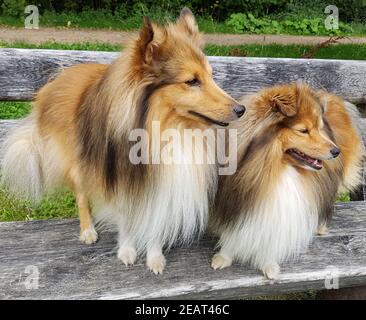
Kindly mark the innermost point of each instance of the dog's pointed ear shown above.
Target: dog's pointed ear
(188, 22)
(323, 99)
(285, 103)
(149, 49)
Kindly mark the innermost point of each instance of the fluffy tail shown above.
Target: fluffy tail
(24, 167)
(355, 115)
(355, 175)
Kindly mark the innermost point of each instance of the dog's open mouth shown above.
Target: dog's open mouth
(208, 119)
(305, 159)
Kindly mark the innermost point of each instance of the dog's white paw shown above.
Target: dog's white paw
(127, 255)
(322, 230)
(156, 263)
(220, 261)
(89, 235)
(271, 271)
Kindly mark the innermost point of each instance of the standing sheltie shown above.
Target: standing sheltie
(78, 136)
(297, 149)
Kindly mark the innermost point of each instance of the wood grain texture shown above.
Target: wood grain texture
(23, 71)
(71, 270)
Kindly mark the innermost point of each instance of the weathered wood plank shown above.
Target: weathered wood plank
(23, 71)
(70, 270)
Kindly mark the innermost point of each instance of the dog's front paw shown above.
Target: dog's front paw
(89, 235)
(221, 261)
(127, 255)
(271, 271)
(322, 230)
(156, 263)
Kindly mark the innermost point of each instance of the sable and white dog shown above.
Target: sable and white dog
(78, 136)
(297, 149)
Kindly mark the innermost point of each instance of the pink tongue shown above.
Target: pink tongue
(313, 162)
(316, 163)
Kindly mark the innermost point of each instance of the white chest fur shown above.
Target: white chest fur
(173, 209)
(279, 228)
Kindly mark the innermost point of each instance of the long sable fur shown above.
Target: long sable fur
(263, 162)
(79, 130)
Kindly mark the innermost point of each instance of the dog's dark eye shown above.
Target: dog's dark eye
(193, 83)
(304, 131)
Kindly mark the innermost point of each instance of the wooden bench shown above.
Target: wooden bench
(68, 269)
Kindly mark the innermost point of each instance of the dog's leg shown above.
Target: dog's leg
(126, 251)
(271, 271)
(155, 259)
(88, 235)
(221, 260)
(322, 229)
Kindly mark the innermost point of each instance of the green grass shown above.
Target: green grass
(339, 51)
(60, 205)
(14, 110)
(92, 46)
(344, 197)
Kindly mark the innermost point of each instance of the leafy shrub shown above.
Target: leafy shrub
(248, 23)
(351, 10)
(218, 9)
(13, 8)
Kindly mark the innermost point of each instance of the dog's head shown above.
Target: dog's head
(171, 58)
(304, 134)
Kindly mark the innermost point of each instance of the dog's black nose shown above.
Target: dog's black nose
(239, 110)
(335, 152)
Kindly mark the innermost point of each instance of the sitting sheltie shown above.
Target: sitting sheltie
(78, 136)
(297, 149)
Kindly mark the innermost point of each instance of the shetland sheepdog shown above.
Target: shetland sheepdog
(78, 136)
(297, 149)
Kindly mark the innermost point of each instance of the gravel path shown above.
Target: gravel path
(121, 37)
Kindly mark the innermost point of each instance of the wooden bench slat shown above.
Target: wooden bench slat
(23, 71)
(70, 270)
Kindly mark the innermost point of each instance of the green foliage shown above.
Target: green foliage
(92, 46)
(13, 110)
(351, 10)
(248, 23)
(344, 197)
(219, 9)
(13, 8)
(339, 51)
(60, 205)
(259, 16)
